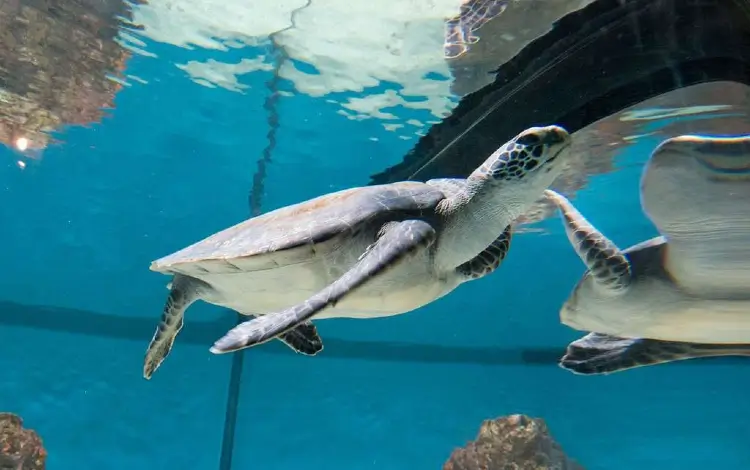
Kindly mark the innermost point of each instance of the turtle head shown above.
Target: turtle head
(535, 157)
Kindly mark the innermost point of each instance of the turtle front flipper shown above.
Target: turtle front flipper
(488, 260)
(597, 353)
(398, 240)
(183, 291)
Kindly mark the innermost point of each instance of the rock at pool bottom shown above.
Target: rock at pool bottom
(20, 448)
(515, 442)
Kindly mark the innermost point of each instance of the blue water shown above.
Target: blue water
(174, 163)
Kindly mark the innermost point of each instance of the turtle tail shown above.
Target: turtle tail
(183, 291)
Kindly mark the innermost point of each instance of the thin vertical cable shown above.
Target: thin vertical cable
(255, 200)
(280, 57)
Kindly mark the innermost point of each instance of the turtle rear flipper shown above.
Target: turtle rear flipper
(598, 353)
(303, 340)
(183, 291)
(393, 247)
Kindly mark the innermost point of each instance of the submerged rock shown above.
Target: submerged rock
(515, 442)
(20, 448)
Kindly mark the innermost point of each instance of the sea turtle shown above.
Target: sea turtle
(364, 252)
(684, 294)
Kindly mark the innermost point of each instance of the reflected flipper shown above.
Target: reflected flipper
(608, 265)
(598, 353)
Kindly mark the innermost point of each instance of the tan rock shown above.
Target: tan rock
(20, 448)
(515, 442)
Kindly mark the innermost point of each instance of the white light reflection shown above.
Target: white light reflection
(22, 143)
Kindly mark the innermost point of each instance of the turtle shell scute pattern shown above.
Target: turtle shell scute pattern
(514, 161)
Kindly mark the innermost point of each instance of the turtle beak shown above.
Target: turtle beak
(556, 135)
(556, 154)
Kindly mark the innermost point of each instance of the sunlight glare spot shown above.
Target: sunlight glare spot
(22, 143)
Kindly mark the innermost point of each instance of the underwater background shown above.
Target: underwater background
(173, 162)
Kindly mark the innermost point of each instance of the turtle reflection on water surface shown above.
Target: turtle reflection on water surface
(682, 295)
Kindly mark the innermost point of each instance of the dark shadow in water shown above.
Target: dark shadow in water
(653, 60)
(205, 332)
(88, 323)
